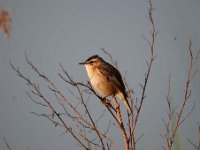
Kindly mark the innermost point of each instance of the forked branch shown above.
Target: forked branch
(173, 121)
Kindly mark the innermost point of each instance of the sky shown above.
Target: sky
(68, 32)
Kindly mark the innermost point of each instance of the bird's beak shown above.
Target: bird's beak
(82, 63)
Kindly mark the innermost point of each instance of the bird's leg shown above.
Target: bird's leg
(107, 102)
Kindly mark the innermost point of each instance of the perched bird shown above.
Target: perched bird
(105, 79)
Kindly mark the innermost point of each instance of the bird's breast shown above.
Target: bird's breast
(101, 83)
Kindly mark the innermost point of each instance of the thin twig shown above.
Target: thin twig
(120, 123)
(149, 64)
(38, 92)
(7, 145)
(186, 92)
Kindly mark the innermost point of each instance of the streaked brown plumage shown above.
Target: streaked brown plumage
(105, 79)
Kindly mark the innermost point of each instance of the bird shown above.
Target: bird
(105, 79)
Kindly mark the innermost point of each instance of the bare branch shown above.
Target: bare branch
(186, 92)
(151, 43)
(37, 91)
(196, 146)
(7, 145)
(120, 123)
(39, 103)
(179, 119)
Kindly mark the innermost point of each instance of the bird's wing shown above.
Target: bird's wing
(112, 73)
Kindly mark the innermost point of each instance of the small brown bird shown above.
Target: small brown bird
(105, 79)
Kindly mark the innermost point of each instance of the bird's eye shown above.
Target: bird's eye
(91, 61)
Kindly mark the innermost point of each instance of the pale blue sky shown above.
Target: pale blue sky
(69, 31)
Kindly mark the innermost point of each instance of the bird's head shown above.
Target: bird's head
(93, 61)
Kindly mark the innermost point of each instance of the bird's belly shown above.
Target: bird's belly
(103, 86)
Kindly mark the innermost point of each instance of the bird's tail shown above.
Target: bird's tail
(122, 97)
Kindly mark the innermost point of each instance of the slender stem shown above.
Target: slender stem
(91, 119)
(120, 123)
(186, 92)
